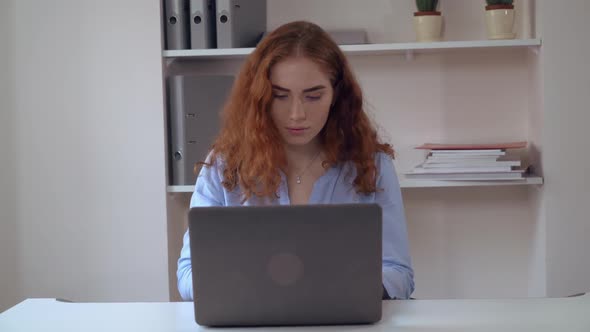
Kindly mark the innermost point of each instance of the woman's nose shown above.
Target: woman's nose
(297, 113)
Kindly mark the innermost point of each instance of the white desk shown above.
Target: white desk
(539, 315)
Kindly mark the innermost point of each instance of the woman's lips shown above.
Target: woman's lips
(297, 131)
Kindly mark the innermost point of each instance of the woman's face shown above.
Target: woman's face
(302, 97)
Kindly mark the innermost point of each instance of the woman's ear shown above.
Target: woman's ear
(334, 96)
(335, 93)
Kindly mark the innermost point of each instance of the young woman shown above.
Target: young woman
(295, 132)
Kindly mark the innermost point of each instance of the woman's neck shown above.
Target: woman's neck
(299, 157)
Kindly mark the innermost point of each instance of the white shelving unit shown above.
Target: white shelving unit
(411, 183)
(408, 49)
(458, 222)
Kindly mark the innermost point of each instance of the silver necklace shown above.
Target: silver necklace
(298, 177)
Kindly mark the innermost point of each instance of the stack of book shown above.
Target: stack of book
(469, 162)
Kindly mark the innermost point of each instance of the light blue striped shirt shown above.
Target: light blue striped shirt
(334, 187)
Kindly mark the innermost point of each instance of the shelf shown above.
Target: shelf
(180, 189)
(411, 183)
(369, 49)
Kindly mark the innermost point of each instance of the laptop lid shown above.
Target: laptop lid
(286, 265)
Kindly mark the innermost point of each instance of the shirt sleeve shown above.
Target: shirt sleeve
(398, 275)
(208, 192)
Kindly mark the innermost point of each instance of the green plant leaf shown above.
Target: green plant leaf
(426, 5)
(499, 2)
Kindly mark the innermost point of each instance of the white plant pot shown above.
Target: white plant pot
(428, 28)
(500, 23)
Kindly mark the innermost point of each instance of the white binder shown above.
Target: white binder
(202, 24)
(240, 23)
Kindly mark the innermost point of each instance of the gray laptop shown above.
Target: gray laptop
(286, 265)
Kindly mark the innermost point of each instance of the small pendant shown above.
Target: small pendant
(298, 180)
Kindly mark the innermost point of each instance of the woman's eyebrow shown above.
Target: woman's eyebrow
(274, 86)
(315, 88)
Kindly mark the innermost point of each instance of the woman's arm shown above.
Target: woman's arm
(398, 275)
(208, 192)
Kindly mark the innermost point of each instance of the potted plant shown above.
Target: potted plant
(500, 19)
(427, 21)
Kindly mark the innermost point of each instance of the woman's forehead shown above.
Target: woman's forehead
(298, 73)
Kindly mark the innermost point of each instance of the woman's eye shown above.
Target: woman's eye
(313, 98)
(280, 97)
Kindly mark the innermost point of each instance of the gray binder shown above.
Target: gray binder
(194, 105)
(177, 24)
(240, 23)
(202, 24)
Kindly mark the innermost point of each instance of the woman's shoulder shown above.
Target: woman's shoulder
(214, 162)
(212, 176)
(385, 168)
(382, 160)
(214, 159)
(211, 169)
(383, 163)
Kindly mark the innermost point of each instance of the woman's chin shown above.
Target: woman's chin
(297, 141)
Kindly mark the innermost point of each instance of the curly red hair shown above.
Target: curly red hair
(249, 143)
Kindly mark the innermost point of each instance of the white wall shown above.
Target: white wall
(566, 96)
(89, 142)
(8, 257)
